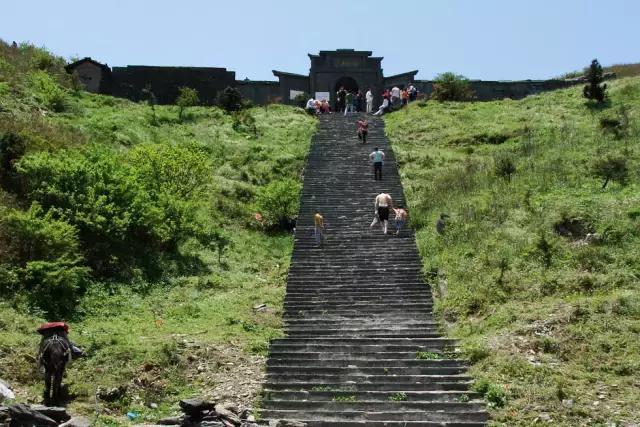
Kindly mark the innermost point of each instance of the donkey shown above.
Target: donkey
(55, 353)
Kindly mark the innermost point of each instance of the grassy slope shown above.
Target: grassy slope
(537, 334)
(621, 70)
(164, 341)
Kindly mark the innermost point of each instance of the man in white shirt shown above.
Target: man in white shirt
(369, 98)
(311, 106)
(383, 108)
(395, 95)
(413, 92)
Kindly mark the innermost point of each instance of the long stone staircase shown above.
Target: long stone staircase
(362, 347)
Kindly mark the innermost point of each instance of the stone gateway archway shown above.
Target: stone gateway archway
(348, 83)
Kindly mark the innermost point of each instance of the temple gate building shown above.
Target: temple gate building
(329, 71)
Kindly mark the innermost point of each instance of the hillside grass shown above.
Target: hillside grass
(621, 70)
(548, 316)
(161, 337)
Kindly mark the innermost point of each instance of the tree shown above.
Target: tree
(451, 87)
(505, 167)
(611, 168)
(12, 148)
(187, 97)
(230, 99)
(152, 101)
(278, 203)
(595, 90)
(301, 99)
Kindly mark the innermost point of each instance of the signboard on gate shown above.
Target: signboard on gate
(294, 93)
(323, 95)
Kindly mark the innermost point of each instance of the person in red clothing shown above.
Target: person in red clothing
(404, 97)
(363, 130)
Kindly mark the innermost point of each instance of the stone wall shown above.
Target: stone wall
(259, 92)
(129, 82)
(329, 69)
(288, 82)
(486, 90)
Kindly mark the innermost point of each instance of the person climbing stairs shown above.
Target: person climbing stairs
(362, 346)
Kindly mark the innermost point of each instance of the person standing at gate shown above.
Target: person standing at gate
(413, 92)
(377, 157)
(404, 97)
(395, 96)
(349, 100)
(341, 95)
(369, 99)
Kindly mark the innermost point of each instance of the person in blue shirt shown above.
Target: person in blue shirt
(377, 157)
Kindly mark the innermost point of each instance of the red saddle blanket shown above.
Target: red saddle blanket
(49, 327)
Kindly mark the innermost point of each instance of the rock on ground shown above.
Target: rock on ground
(195, 406)
(77, 422)
(22, 415)
(54, 412)
(5, 392)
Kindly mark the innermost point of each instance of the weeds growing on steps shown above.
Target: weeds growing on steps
(398, 397)
(537, 271)
(427, 355)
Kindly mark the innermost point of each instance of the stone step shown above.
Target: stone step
(375, 293)
(320, 317)
(294, 361)
(399, 330)
(408, 396)
(443, 386)
(358, 379)
(307, 313)
(373, 405)
(356, 305)
(369, 371)
(369, 423)
(359, 299)
(366, 334)
(357, 310)
(342, 413)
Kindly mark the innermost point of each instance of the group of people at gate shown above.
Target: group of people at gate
(354, 101)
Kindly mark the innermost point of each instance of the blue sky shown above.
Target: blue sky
(482, 39)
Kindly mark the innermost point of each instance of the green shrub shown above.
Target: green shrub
(505, 166)
(187, 97)
(41, 259)
(127, 208)
(301, 99)
(451, 87)
(495, 395)
(595, 90)
(545, 250)
(611, 168)
(47, 92)
(12, 148)
(618, 125)
(55, 286)
(244, 122)
(278, 203)
(230, 99)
